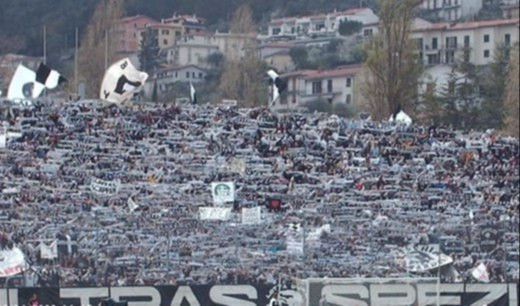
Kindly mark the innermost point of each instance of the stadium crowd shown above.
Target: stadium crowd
(381, 187)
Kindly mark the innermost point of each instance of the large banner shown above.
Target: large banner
(203, 295)
(12, 261)
(103, 187)
(397, 292)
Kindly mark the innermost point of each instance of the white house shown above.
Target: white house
(191, 49)
(474, 42)
(318, 25)
(333, 86)
(452, 10)
(167, 77)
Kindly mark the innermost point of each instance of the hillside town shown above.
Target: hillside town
(186, 47)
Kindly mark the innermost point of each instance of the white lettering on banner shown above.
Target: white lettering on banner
(494, 292)
(83, 294)
(407, 294)
(427, 294)
(11, 262)
(153, 297)
(184, 292)
(214, 213)
(104, 187)
(335, 294)
(219, 295)
(383, 295)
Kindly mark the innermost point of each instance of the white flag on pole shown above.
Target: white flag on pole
(49, 251)
(121, 81)
(132, 206)
(480, 273)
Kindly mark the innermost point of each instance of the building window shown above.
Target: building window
(486, 53)
(419, 43)
(507, 39)
(316, 87)
(451, 42)
(367, 32)
(200, 75)
(450, 57)
(466, 41)
(193, 75)
(349, 99)
(486, 38)
(187, 74)
(329, 85)
(349, 82)
(466, 56)
(276, 31)
(433, 59)
(165, 41)
(176, 74)
(435, 43)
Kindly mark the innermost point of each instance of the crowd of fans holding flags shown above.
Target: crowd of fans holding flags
(94, 193)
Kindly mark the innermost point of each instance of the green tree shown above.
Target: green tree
(149, 52)
(300, 57)
(393, 67)
(349, 27)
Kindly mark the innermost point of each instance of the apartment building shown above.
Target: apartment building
(167, 77)
(475, 42)
(510, 8)
(334, 86)
(318, 25)
(192, 49)
(128, 32)
(452, 10)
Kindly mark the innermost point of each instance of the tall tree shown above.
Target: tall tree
(391, 62)
(493, 89)
(149, 55)
(244, 79)
(99, 44)
(512, 98)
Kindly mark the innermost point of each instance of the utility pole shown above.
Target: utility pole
(76, 60)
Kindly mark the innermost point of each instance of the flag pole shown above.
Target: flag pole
(106, 49)
(45, 44)
(76, 61)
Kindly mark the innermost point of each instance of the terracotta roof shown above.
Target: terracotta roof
(136, 17)
(281, 45)
(176, 68)
(318, 16)
(322, 74)
(468, 25)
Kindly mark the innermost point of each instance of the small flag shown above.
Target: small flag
(49, 251)
(193, 94)
(480, 273)
(132, 206)
(23, 84)
(48, 77)
(278, 85)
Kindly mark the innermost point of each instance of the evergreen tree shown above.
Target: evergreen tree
(512, 96)
(149, 53)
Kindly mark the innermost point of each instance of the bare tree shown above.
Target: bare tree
(99, 44)
(393, 70)
(512, 99)
(243, 79)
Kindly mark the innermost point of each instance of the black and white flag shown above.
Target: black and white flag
(48, 77)
(121, 81)
(193, 94)
(277, 84)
